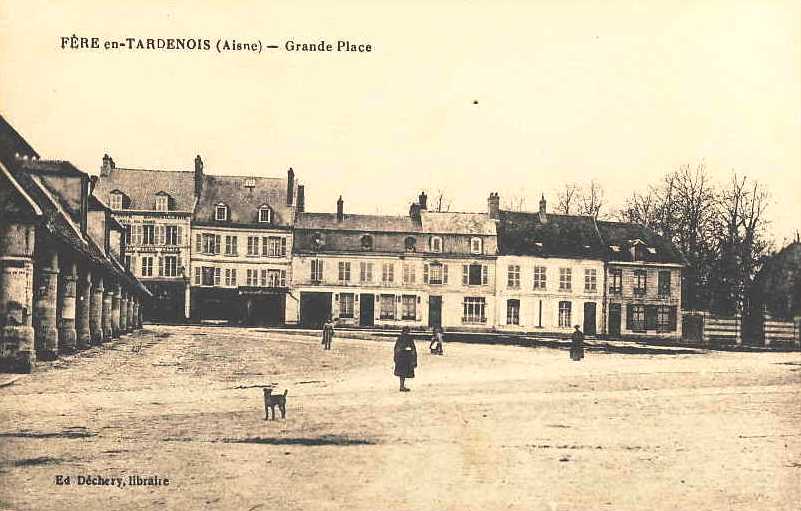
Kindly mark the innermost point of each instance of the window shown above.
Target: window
(252, 278)
(273, 278)
(115, 200)
(640, 282)
(539, 277)
(216, 276)
(162, 203)
(366, 272)
(409, 276)
(410, 244)
(513, 277)
(264, 278)
(273, 246)
(387, 307)
(367, 242)
(137, 234)
(666, 318)
(615, 281)
(344, 271)
(664, 284)
(475, 246)
(231, 246)
(387, 272)
(147, 266)
(635, 318)
(513, 312)
(126, 235)
(436, 244)
(565, 279)
(474, 309)
(316, 270)
(221, 213)
(172, 235)
(211, 244)
(409, 307)
(346, 305)
(474, 274)
(435, 274)
(148, 234)
(253, 245)
(128, 263)
(210, 276)
(590, 280)
(170, 267)
(230, 277)
(197, 275)
(265, 215)
(564, 314)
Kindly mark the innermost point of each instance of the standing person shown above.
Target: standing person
(435, 347)
(328, 333)
(577, 345)
(405, 357)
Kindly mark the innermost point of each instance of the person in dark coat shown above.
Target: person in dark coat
(328, 333)
(405, 357)
(435, 346)
(577, 345)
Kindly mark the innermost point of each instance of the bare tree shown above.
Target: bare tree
(516, 202)
(567, 199)
(591, 199)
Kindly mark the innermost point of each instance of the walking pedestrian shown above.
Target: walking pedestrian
(577, 345)
(328, 333)
(405, 354)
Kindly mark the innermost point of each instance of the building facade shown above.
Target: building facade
(422, 270)
(62, 285)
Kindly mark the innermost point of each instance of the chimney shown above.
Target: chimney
(543, 217)
(414, 211)
(290, 186)
(423, 200)
(93, 184)
(198, 175)
(340, 209)
(301, 199)
(494, 205)
(107, 167)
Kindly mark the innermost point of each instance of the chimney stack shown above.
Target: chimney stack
(494, 206)
(543, 216)
(301, 198)
(107, 167)
(340, 209)
(290, 186)
(414, 211)
(198, 175)
(423, 200)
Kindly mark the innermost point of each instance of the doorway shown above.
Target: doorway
(589, 318)
(315, 309)
(366, 309)
(434, 311)
(614, 320)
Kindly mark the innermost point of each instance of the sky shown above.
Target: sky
(466, 98)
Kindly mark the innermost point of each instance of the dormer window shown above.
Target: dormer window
(250, 183)
(410, 244)
(115, 200)
(318, 240)
(436, 244)
(367, 242)
(162, 202)
(475, 245)
(221, 213)
(265, 215)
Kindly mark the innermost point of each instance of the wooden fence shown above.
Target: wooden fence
(785, 332)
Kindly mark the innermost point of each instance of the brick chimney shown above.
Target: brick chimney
(340, 209)
(198, 175)
(301, 198)
(290, 186)
(494, 205)
(543, 216)
(423, 201)
(107, 167)
(414, 211)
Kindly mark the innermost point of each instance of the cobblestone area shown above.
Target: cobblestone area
(485, 427)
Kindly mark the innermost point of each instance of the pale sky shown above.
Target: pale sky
(619, 92)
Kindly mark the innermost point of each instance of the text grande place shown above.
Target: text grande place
(323, 45)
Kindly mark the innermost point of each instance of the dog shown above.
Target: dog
(271, 401)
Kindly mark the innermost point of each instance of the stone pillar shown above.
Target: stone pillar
(45, 300)
(124, 313)
(17, 242)
(116, 302)
(131, 325)
(108, 300)
(82, 307)
(96, 310)
(67, 290)
(136, 324)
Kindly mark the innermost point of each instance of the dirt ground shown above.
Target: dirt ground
(484, 428)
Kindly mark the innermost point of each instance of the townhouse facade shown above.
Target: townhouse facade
(423, 270)
(62, 284)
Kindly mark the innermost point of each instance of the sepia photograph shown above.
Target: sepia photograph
(403, 256)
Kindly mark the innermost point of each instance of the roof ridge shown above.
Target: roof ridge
(115, 169)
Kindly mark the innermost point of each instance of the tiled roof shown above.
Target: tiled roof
(457, 223)
(522, 233)
(49, 166)
(620, 237)
(244, 202)
(142, 185)
(12, 143)
(360, 223)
